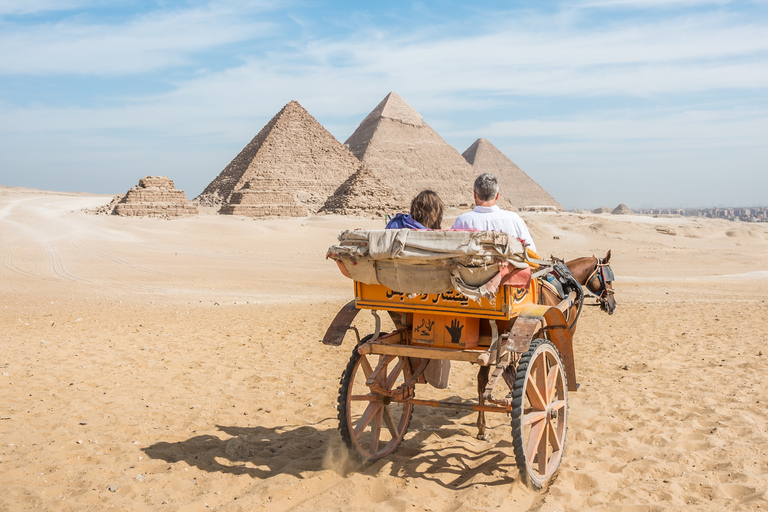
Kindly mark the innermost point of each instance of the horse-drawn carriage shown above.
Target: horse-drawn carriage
(478, 297)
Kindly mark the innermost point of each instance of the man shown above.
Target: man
(488, 217)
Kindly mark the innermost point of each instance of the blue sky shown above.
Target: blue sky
(646, 102)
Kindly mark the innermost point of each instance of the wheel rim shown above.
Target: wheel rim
(544, 414)
(377, 423)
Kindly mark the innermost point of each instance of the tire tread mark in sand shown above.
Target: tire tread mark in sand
(57, 264)
(7, 262)
(119, 261)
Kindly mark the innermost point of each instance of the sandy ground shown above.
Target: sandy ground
(132, 350)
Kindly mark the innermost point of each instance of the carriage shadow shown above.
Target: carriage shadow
(447, 453)
(303, 449)
(268, 451)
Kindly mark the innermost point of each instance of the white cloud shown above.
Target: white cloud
(652, 3)
(144, 43)
(22, 7)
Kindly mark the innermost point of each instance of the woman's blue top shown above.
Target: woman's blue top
(404, 220)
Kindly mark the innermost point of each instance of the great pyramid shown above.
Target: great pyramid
(155, 196)
(289, 168)
(409, 156)
(363, 193)
(517, 188)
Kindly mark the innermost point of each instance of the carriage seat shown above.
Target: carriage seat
(474, 263)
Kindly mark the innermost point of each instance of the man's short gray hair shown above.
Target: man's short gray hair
(486, 186)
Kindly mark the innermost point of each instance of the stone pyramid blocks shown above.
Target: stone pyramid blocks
(264, 197)
(155, 196)
(363, 193)
(291, 167)
(409, 156)
(295, 167)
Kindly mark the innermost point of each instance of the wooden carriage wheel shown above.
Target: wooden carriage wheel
(539, 413)
(371, 422)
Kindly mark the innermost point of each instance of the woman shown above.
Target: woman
(426, 213)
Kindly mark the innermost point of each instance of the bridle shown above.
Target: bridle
(604, 275)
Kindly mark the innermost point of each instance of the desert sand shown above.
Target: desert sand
(134, 350)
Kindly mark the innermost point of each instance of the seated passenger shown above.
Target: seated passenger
(426, 213)
(487, 216)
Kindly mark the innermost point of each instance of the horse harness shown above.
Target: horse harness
(605, 276)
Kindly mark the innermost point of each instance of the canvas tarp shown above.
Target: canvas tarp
(415, 261)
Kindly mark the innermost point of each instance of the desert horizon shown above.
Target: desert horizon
(135, 350)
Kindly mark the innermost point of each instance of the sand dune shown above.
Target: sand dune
(133, 351)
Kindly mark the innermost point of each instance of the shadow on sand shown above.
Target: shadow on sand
(436, 449)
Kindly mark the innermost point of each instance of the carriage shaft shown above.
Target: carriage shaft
(466, 407)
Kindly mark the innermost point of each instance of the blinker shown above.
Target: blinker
(607, 274)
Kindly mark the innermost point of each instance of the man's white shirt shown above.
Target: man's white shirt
(493, 218)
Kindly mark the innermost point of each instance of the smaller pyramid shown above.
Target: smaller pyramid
(602, 209)
(155, 196)
(363, 193)
(622, 209)
(517, 188)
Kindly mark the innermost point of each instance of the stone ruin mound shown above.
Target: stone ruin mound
(622, 209)
(363, 193)
(516, 187)
(407, 154)
(290, 168)
(602, 209)
(155, 196)
(105, 209)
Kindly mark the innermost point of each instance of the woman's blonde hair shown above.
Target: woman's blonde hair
(427, 209)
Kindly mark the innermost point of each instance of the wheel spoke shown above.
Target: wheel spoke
(553, 438)
(367, 416)
(363, 398)
(389, 421)
(395, 372)
(558, 404)
(542, 451)
(552, 379)
(378, 376)
(540, 368)
(533, 394)
(376, 429)
(534, 417)
(534, 439)
(366, 366)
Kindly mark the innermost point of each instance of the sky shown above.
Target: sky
(651, 103)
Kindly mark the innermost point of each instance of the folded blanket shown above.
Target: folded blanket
(411, 261)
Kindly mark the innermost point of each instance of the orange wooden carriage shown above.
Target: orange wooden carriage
(519, 342)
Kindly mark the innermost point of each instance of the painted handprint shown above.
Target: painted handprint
(455, 331)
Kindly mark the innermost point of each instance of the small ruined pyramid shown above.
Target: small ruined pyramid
(155, 196)
(289, 168)
(409, 156)
(622, 209)
(363, 193)
(517, 188)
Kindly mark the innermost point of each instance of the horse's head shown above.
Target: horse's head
(600, 282)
